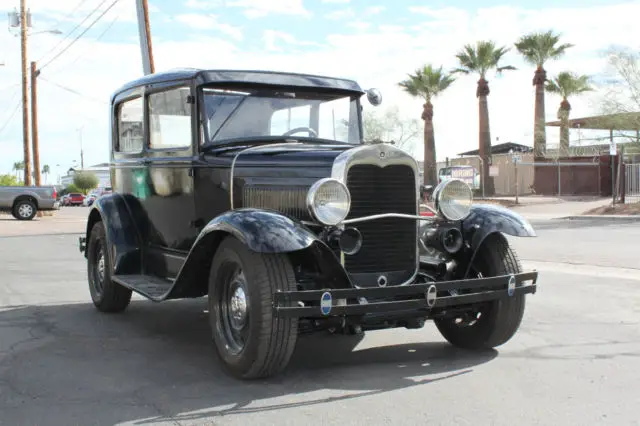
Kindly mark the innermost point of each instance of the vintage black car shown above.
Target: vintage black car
(257, 190)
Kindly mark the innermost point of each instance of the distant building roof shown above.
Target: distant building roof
(502, 148)
(622, 121)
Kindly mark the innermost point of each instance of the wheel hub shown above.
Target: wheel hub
(237, 304)
(25, 210)
(100, 266)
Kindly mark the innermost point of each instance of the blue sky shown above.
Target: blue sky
(375, 42)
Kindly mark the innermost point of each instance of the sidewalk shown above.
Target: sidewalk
(548, 208)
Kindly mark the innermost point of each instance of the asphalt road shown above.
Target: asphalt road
(575, 361)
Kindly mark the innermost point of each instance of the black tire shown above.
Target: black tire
(24, 209)
(497, 321)
(107, 296)
(256, 345)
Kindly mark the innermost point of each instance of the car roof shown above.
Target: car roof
(206, 76)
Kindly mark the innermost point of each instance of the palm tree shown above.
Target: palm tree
(567, 84)
(480, 59)
(18, 166)
(45, 171)
(538, 48)
(427, 83)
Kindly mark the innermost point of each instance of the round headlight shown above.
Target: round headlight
(453, 199)
(329, 201)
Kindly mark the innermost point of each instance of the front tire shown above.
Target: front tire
(496, 322)
(249, 340)
(107, 296)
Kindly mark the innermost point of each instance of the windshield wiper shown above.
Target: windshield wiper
(225, 146)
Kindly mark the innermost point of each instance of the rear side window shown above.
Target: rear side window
(130, 126)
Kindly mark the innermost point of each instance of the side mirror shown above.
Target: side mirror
(374, 96)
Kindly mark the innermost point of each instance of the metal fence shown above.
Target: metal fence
(632, 183)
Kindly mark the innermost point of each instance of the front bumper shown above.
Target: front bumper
(416, 297)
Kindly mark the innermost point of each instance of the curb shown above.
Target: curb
(605, 217)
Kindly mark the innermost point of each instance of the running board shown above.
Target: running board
(149, 286)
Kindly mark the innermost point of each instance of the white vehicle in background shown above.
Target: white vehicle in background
(89, 199)
(468, 174)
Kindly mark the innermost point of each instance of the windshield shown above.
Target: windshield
(231, 115)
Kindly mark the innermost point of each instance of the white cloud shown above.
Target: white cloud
(377, 57)
(273, 37)
(204, 4)
(337, 15)
(374, 10)
(336, 1)
(359, 25)
(210, 22)
(261, 8)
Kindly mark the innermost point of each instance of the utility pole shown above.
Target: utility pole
(34, 122)
(25, 100)
(144, 29)
(81, 150)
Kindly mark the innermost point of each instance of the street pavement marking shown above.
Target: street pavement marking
(583, 269)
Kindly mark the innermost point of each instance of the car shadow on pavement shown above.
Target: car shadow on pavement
(69, 364)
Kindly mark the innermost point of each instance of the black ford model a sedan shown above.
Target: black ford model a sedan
(256, 190)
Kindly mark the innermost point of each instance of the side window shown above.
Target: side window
(130, 126)
(170, 119)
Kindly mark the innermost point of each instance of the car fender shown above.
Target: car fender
(262, 231)
(122, 229)
(487, 219)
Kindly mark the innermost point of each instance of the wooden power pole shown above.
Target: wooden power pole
(144, 29)
(25, 100)
(34, 122)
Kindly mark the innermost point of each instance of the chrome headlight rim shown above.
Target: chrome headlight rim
(313, 191)
(437, 196)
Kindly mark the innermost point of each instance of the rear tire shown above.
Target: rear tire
(107, 296)
(498, 321)
(249, 340)
(24, 210)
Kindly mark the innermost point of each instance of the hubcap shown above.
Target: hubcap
(25, 210)
(99, 269)
(237, 306)
(233, 308)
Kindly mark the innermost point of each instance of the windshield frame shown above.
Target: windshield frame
(205, 137)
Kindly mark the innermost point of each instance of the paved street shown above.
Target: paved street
(575, 361)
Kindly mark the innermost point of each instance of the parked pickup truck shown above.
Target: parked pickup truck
(24, 201)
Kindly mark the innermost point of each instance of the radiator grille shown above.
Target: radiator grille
(389, 245)
(290, 201)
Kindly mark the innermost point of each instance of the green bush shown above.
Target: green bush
(85, 181)
(9, 180)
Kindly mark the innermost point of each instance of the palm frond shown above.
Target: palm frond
(427, 82)
(539, 47)
(568, 84)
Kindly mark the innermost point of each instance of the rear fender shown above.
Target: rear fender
(261, 231)
(122, 226)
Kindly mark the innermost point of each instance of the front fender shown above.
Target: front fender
(123, 236)
(486, 219)
(262, 231)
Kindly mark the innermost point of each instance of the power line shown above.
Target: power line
(75, 92)
(74, 28)
(81, 34)
(86, 51)
(69, 14)
(15, 110)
